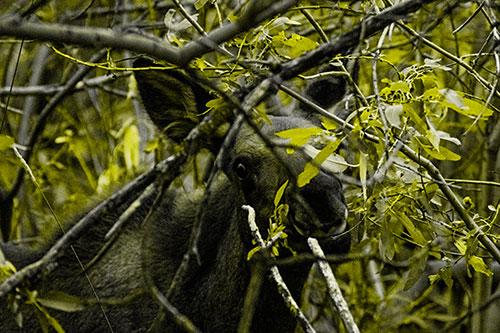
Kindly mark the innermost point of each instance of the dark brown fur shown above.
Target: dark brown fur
(213, 294)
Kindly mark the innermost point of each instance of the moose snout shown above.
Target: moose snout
(321, 209)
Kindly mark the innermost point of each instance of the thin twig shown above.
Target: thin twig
(57, 250)
(52, 89)
(431, 169)
(276, 276)
(46, 111)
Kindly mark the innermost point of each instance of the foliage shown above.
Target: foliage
(428, 81)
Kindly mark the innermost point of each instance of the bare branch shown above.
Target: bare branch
(276, 276)
(333, 288)
(93, 37)
(99, 37)
(51, 89)
(432, 170)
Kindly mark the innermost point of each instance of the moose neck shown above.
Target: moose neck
(212, 294)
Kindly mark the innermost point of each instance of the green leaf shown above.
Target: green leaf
(6, 142)
(431, 94)
(420, 125)
(460, 103)
(363, 171)
(200, 4)
(417, 263)
(131, 150)
(447, 276)
(279, 194)
(476, 108)
(415, 234)
(479, 266)
(444, 154)
(61, 301)
(433, 136)
(386, 243)
(298, 136)
(45, 319)
(311, 168)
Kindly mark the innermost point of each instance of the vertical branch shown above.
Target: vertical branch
(333, 288)
(276, 276)
(46, 112)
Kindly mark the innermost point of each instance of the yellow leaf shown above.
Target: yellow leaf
(479, 266)
(293, 46)
(279, 194)
(461, 246)
(363, 168)
(131, 148)
(312, 167)
(298, 136)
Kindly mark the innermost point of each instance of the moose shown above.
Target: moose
(212, 294)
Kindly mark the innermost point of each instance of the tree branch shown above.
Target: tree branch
(52, 89)
(15, 26)
(276, 276)
(333, 288)
(432, 170)
(348, 40)
(85, 36)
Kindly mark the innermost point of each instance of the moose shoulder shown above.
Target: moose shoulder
(213, 294)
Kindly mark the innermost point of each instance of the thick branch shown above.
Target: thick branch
(99, 37)
(85, 36)
(333, 288)
(348, 40)
(76, 231)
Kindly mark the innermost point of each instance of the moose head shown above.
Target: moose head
(254, 166)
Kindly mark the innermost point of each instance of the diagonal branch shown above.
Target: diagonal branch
(169, 168)
(432, 170)
(276, 276)
(15, 26)
(348, 40)
(333, 287)
(45, 113)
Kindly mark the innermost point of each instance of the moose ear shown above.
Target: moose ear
(172, 100)
(328, 90)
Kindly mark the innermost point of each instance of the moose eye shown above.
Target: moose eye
(241, 170)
